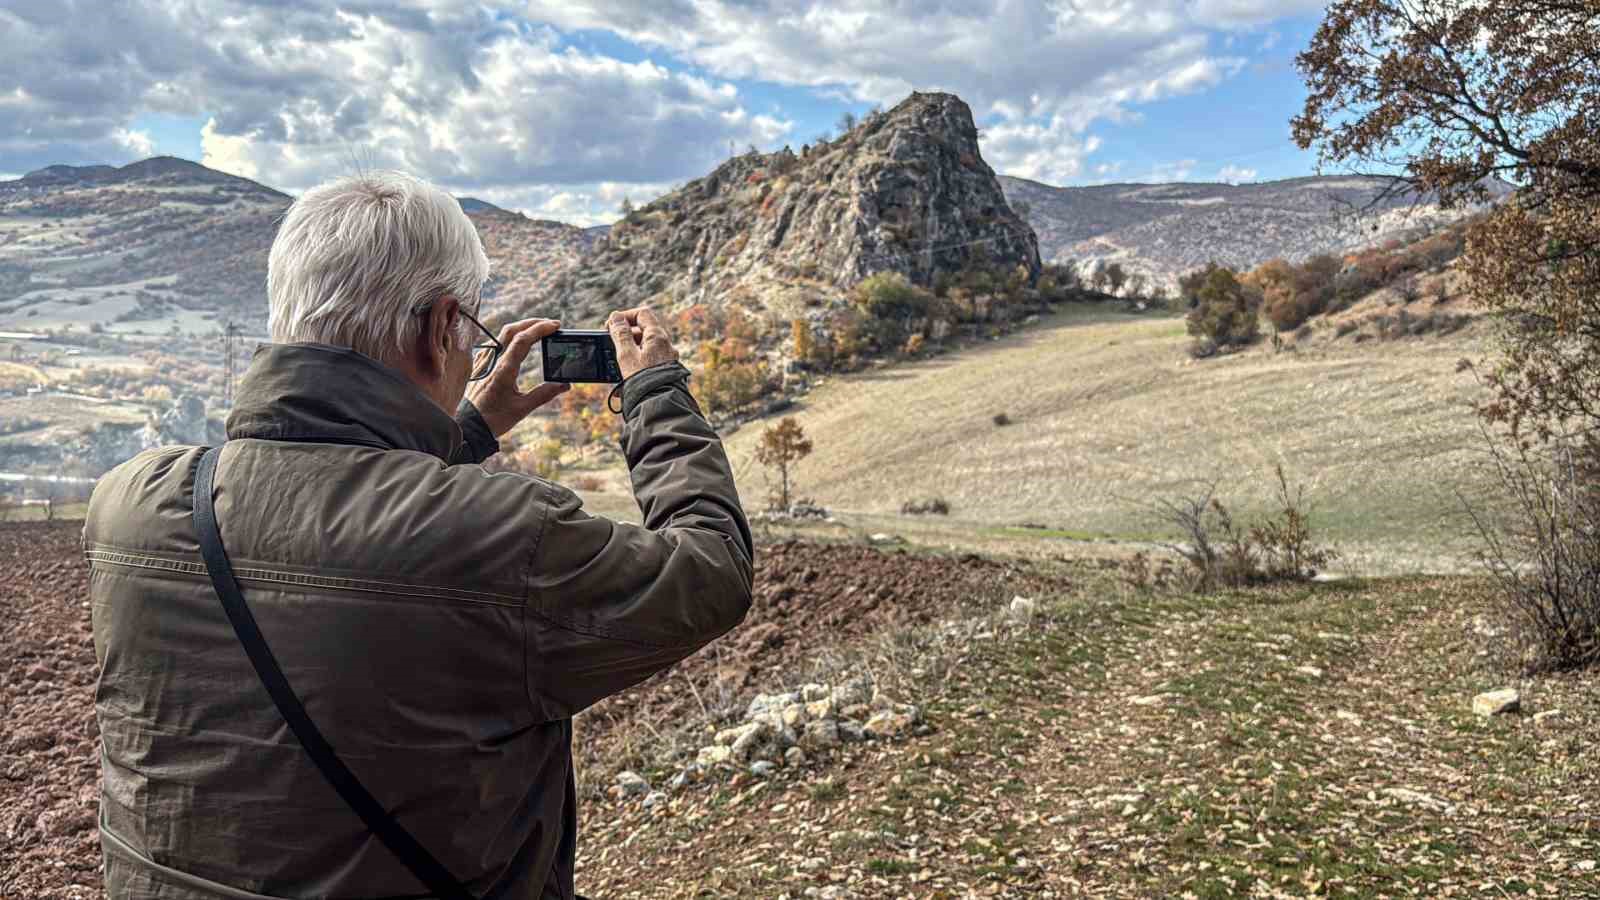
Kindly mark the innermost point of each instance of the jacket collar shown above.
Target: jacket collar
(319, 393)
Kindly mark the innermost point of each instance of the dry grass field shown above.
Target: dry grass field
(1108, 413)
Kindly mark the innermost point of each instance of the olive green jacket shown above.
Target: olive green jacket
(441, 624)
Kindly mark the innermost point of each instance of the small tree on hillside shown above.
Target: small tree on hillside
(805, 343)
(782, 445)
(1225, 310)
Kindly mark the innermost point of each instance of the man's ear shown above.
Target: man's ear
(438, 331)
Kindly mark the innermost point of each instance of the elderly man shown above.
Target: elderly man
(340, 659)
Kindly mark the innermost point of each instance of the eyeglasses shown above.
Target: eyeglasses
(487, 353)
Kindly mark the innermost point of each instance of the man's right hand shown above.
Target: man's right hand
(642, 340)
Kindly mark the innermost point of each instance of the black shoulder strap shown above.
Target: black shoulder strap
(399, 841)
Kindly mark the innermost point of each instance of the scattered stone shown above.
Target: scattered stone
(794, 756)
(679, 781)
(855, 691)
(770, 703)
(824, 733)
(794, 715)
(1494, 703)
(654, 799)
(1149, 700)
(1586, 865)
(888, 724)
(811, 692)
(632, 785)
(820, 709)
(882, 537)
(745, 747)
(730, 736)
(1539, 718)
(856, 711)
(762, 768)
(851, 730)
(1309, 671)
(1416, 798)
(1022, 610)
(710, 756)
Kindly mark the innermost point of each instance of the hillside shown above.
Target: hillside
(1164, 230)
(905, 191)
(162, 239)
(1108, 413)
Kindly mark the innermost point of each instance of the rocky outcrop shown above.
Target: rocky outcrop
(906, 191)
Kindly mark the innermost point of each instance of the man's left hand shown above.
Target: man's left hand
(498, 399)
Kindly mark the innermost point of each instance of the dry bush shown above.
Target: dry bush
(589, 483)
(1223, 552)
(1001, 420)
(936, 506)
(1544, 550)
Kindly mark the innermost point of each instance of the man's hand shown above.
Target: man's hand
(642, 341)
(498, 399)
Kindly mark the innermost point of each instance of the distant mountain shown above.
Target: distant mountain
(97, 244)
(907, 190)
(167, 243)
(474, 205)
(1164, 230)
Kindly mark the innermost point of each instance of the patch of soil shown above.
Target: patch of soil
(49, 746)
(813, 597)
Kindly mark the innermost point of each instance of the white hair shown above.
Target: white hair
(354, 258)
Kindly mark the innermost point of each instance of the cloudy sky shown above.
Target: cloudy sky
(560, 109)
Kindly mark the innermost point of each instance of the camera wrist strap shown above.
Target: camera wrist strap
(411, 854)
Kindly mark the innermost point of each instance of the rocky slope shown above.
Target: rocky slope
(1164, 230)
(907, 191)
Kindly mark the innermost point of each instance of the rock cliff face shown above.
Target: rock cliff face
(906, 191)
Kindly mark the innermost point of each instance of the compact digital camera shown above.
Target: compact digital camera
(580, 357)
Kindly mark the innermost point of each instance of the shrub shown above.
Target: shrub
(1544, 551)
(892, 304)
(936, 506)
(1225, 310)
(1221, 552)
(1001, 420)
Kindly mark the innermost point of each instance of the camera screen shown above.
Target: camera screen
(575, 359)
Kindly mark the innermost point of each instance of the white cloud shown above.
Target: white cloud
(226, 153)
(486, 97)
(1046, 70)
(302, 90)
(1231, 174)
(137, 142)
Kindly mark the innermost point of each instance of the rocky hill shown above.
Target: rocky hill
(907, 190)
(140, 242)
(1164, 230)
(167, 242)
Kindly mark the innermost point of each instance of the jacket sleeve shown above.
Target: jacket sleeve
(611, 603)
(478, 442)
